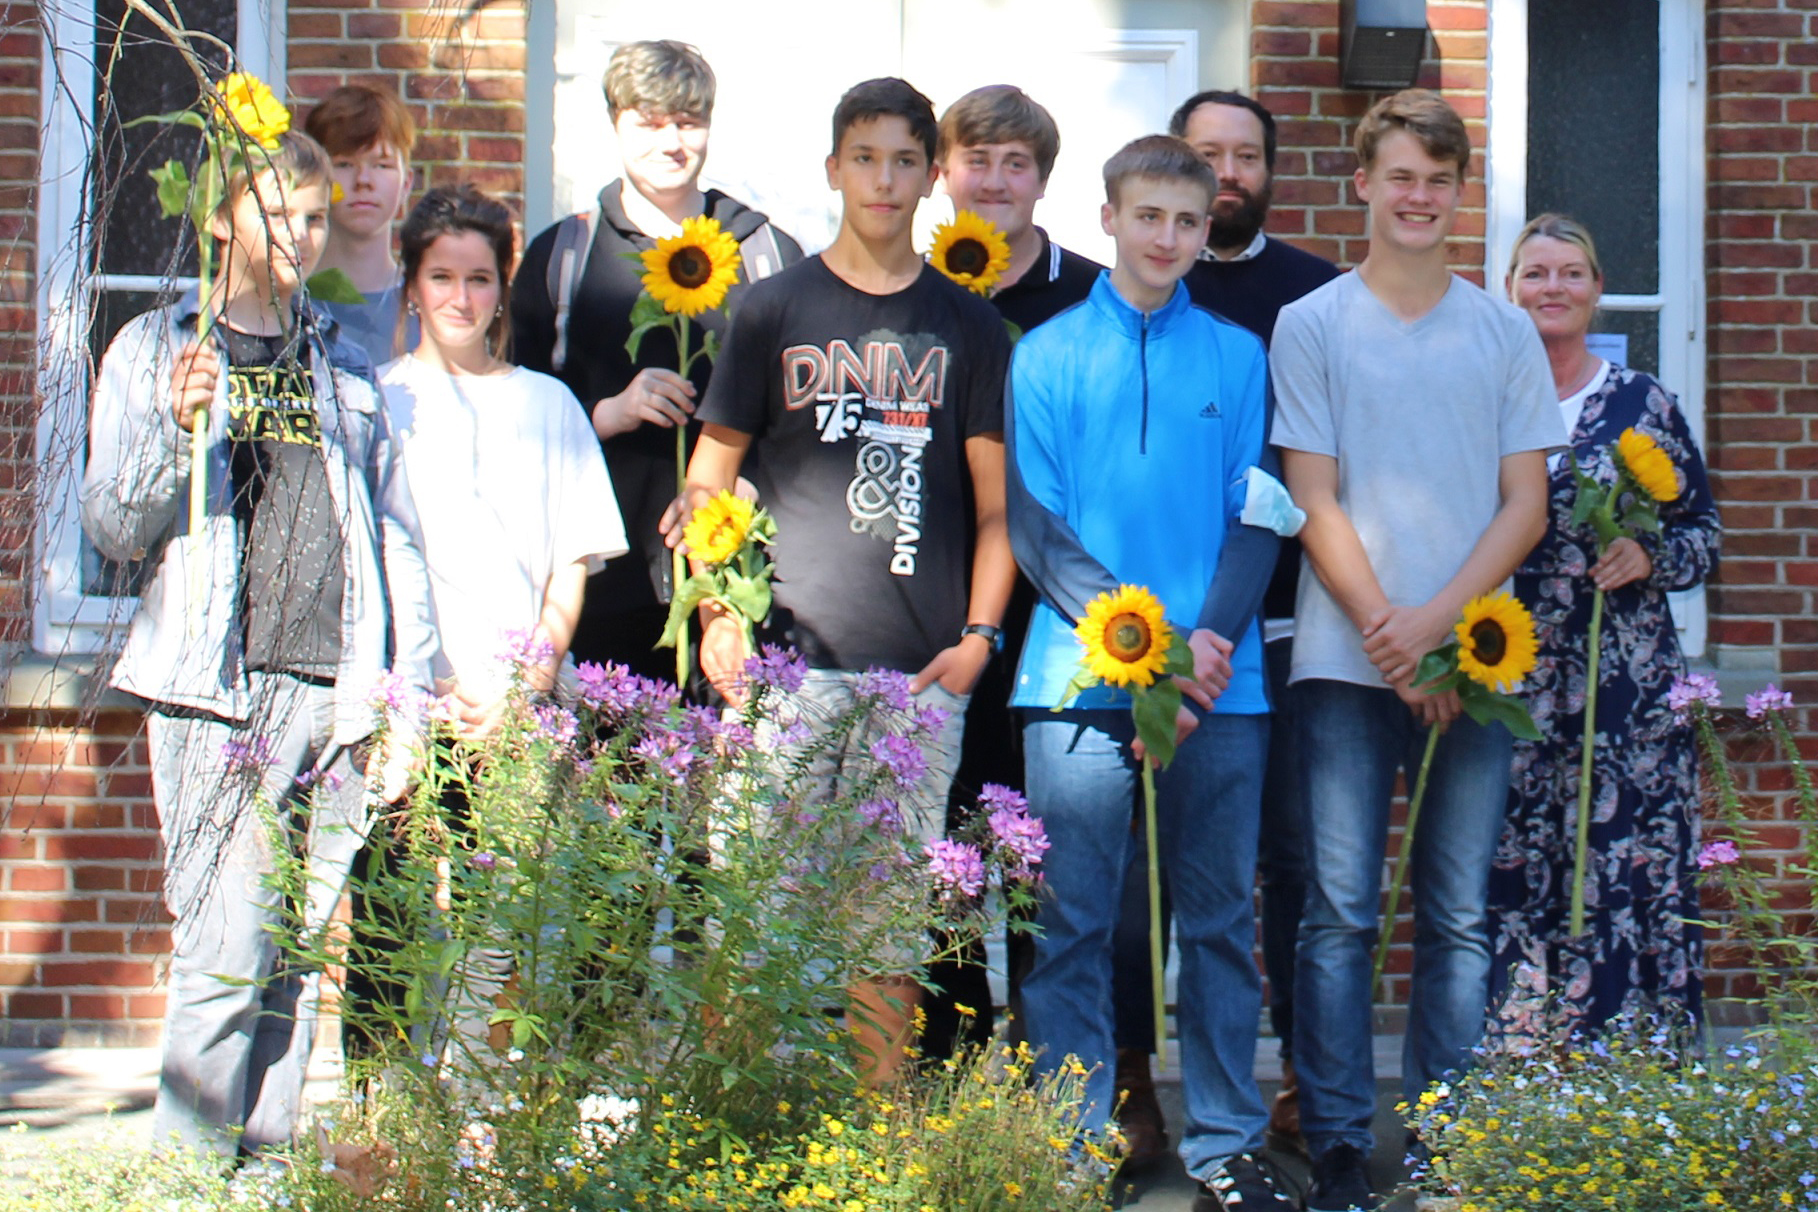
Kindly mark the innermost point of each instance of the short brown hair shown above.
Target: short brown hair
(452, 210)
(1000, 113)
(298, 160)
(354, 117)
(661, 77)
(1424, 115)
(1158, 158)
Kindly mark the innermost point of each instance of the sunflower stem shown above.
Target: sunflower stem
(1582, 843)
(678, 568)
(1157, 976)
(1400, 878)
(198, 443)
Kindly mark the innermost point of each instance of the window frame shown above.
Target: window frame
(64, 618)
(1680, 299)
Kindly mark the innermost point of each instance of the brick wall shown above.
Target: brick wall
(1762, 402)
(19, 132)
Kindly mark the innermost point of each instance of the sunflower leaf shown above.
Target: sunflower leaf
(334, 286)
(176, 117)
(1488, 707)
(710, 345)
(1153, 710)
(636, 339)
(749, 597)
(695, 590)
(1180, 656)
(172, 180)
(1437, 664)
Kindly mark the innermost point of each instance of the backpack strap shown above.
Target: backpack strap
(567, 263)
(760, 254)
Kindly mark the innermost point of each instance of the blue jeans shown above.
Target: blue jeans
(1353, 739)
(1083, 782)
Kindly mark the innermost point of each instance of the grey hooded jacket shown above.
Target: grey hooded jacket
(135, 505)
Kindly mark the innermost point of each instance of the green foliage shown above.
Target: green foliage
(334, 286)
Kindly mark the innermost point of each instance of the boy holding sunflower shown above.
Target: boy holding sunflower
(1415, 414)
(872, 387)
(1137, 422)
(571, 305)
(258, 672)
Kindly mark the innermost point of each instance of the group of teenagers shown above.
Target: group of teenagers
(393, 485)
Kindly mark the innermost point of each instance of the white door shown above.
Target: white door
(1109, 72)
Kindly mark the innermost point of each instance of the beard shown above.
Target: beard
(1235, 227)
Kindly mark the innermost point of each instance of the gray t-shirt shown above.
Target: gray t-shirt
(373, 325)
(1419, 416)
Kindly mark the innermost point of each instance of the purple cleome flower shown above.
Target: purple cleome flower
(902, 757)
(928, 721)
(958, 867)
(882, 814)
(240, 754)
(776, 668)
(1021, 840)
(554, 723)
(1769, 698)
(886, 686)
(483, 860)
(526, 648)
(1694, 688)
(1717, 854)
(397, 697)
(668, 754)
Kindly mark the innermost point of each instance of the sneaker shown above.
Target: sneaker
(1341, 1181)
(1240, 1183)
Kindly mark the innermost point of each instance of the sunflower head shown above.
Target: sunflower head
(1496, 643)
(972, 251)
(1647, 464)
(1127, 638)
(250, 105)
(692, 272)
(718, 529)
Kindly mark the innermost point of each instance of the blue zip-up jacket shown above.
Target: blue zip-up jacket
(1130, 436)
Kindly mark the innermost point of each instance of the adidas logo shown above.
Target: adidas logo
(1210, 410)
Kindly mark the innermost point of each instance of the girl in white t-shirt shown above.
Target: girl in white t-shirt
(516, 507)
(516, 512)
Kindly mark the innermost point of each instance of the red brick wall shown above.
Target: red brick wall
(19, 132)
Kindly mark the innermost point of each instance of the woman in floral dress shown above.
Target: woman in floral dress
(1638, 952)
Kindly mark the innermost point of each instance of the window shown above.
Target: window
(1598, 111)
(105, 254)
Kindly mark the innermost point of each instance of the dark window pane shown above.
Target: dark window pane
(114, 308)
(1594, 128)
(138, 72)
(1643, 331)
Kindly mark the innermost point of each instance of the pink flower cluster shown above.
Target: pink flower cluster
(1768, 698)
(1693, 689)
(1717, 854)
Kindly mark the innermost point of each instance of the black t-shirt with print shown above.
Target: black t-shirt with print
(293, 570)
(860, 406)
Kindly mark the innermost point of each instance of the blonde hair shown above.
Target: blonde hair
(1556, 227)
(298, 160)
(661, 77)
(1437, 126)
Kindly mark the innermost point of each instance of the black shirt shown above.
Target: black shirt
(860, 406)
(642, 462)
(293, 570)
(1252, 293)
(1056, 281)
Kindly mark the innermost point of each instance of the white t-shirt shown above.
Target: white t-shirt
(1419, 416)
(1572, 407)
(510, 486)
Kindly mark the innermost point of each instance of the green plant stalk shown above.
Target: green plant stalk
(1757, 922)
(678, 567)
(1802, 783)
(1582, 844)
(1157, 977)
(198, 442)
(1401, 863)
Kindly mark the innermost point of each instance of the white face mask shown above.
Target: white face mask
(1268, 505)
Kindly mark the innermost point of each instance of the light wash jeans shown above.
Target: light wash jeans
(1353, 738)
(1083, 782)
(240, 1019)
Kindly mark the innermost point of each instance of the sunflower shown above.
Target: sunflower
(1496, 641)
(972, 251)
(1126, 637)
(245, 101)
(718, 529)
(1647, 464)
(692, 272)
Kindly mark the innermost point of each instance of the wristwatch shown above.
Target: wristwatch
(994, 636)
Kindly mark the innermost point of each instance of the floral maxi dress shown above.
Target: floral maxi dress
(1638, 950)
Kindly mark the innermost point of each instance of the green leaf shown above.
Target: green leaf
(1641, 516)
(1153, 709)
(333, 286)
(1487, 707)
(176, 117)
(1437, 664)
(172, 180)
(1082, 682)
(750, 598)
(1180, 657)
(710, 345)
(648, 311)
(1015, 333)
(636, 340)
(695, 590)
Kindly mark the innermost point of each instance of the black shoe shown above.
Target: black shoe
(1341, 1181)
(1243, 1184)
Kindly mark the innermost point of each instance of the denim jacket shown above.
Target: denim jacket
(135, 505)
